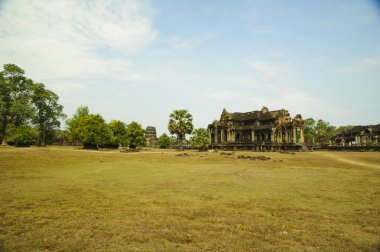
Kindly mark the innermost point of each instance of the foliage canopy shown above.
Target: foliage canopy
(180, 124)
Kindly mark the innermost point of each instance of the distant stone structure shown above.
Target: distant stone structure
(257, 130)
(358, 136)
(150, 137)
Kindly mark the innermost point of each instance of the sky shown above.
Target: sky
(138, 60)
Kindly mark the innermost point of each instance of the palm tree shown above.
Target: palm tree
(180, 124)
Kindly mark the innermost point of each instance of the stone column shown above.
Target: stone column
(222, 135)
(286, 136)
(253, 136)
(302, 137)
(209, 136)
(216, 135)
(272, 135)
(294, 135)
(279, 135)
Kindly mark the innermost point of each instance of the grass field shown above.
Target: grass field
(61, 199)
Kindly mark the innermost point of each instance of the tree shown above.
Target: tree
(173, 142)
(119, 131)
(135, 135)
(14, 98)
(21, 136)
(73, 124)
(180, 124)
(47, 111)
(164, 141)
(309, 130)
(93, 132)
(342, 129)
(323, 132)
(200, 139)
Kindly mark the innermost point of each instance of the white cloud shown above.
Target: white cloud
(270, 70)
(222, 95)
(370, 61)
(362, 65)
(123, 91)
(67, 86)
(180, 43)
(63, 39)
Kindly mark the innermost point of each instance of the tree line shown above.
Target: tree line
(320, 132)
(31, 114)
(91, 131)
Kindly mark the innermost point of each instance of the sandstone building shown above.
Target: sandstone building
(151, 137)
(257, 130)
(358, 136)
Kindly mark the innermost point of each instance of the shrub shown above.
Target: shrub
(22, 136)
(164, 141)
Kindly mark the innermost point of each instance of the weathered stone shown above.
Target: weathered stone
(257, 130)
(150, 137)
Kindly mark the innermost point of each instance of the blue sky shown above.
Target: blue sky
(140, 60)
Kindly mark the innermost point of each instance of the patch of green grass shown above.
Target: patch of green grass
(61, 199)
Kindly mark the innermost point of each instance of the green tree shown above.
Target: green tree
(200, 139)
(14, 98)
(173, 142)
(343, 129)
(23, 135)
(56, 136)
(119, 131)
(72, 124)
(164, 141)
(47, 111)
(135, 135)
(93, 132)
(323, 132)
(309, 130)
(180, 124)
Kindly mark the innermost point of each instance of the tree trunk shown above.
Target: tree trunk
(42, 140)
(2, 132)
(180, 139)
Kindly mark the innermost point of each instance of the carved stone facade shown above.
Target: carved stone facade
(150, 137)
(257, 130)
(358, 136)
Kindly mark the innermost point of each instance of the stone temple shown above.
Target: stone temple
(358, 136)
(257, 130)
(150, 137)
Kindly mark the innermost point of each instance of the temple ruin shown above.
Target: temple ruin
(358, 136)
(150, 137)
(257, 130)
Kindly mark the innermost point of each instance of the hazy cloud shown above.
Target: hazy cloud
(222, 95)
(362, 65)
(270, 70)
(63, 38)
(181, 43)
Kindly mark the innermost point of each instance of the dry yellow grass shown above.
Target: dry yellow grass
(61, 199)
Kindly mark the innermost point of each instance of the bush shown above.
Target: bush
(22, 136)
(200, 139)
(164, 141)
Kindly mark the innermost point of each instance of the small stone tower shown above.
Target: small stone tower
(150, 137)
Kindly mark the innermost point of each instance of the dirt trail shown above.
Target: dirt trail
(346, 160)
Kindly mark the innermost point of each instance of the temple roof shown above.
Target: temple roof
(264, 114)
(358, 129)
